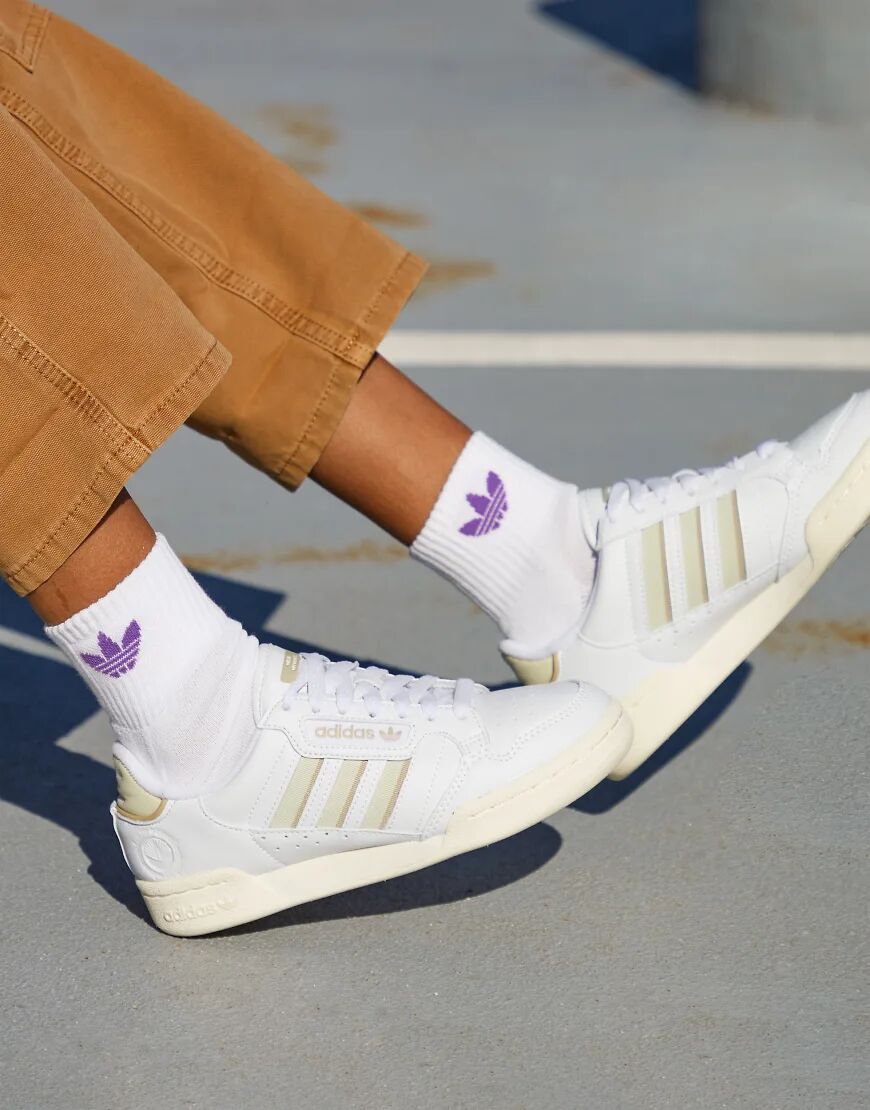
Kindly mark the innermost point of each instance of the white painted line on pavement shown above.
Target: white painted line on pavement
(18, 641)
(694, 350)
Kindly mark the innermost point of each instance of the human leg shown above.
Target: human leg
(392, 452)
(302, 302)
(117, 545)
(298, 289)
(249, 778)
(405, 462)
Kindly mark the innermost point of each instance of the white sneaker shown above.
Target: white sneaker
(359, 775)
(695, 570)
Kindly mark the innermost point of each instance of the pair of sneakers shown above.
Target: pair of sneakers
(359, 775)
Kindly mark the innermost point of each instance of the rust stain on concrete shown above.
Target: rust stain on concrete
(446, 273)
(307, 130)
(308, 167)
(311, 125)
(386, 216)
(626, 75)
(365, 551)
(810, 637)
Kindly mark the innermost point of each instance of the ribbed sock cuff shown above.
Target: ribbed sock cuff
(499, 531)
(156, 621)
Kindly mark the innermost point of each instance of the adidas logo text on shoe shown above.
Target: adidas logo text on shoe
(344, 732)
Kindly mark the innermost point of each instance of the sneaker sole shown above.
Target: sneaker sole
(668, 698)
(210, 901)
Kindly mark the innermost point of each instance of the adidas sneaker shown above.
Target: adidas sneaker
(359, 775)
(695, 570)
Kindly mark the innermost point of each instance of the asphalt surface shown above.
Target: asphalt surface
(693, 937)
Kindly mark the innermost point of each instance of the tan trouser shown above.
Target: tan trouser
(156, 267)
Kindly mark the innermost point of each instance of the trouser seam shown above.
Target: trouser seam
(215, 269)
(215, 358)
(215, 354)
(71, 389)
(15, 573)
(302, 442)
(32, 36)
(27, 49)
(380, 293)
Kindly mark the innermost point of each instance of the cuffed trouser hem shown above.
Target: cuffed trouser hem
(144, 225)
(110, 472)
(289, 452)
(100, 361)
(339, 387)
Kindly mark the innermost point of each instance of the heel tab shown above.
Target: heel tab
(534, 672)
(134, 803)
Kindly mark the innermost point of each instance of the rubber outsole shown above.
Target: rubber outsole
(666, 699)
(211, 901)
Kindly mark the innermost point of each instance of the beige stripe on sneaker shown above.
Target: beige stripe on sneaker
(694, 567)
(655, 573)
(386, 794)
(296, 796)
(340, 797)
(730, 540)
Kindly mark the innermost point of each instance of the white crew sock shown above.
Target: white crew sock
(518, 542)
(173, 672)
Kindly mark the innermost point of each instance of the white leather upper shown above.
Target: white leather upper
(446, 761)
(615, 647)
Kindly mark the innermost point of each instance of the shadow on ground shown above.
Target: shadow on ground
(609, 794)
(42, 700)
(661, 36)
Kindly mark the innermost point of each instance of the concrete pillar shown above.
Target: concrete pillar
(795, 57)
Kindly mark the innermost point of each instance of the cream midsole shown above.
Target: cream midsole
(213, 900)
(662, 702)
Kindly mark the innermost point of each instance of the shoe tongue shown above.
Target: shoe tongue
(277, 670)
(812, 440)
(290, 667)
(591, 508)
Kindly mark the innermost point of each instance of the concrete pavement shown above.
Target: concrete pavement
(693, 937)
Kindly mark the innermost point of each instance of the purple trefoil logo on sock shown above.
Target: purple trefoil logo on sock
(491, 508)
(117, 659)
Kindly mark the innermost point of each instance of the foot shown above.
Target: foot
(695, 570)
(358, 775)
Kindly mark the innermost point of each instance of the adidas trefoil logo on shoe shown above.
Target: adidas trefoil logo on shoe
(491, 509)
(116, 659)
(391, 733)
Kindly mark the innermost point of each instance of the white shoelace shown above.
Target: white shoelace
(638, 494)
(346, 683)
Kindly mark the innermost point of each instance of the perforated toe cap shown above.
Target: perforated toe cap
(550, 716)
